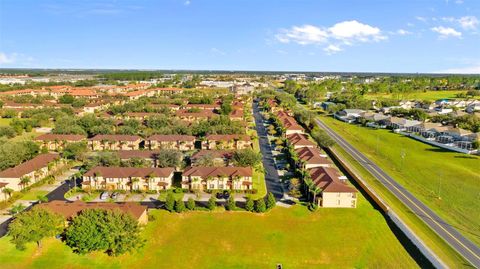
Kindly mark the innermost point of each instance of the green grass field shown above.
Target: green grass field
(446, 181)
(5, 122)
(429, 95)
(295, 237)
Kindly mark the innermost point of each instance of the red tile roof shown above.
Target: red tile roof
(70, 209)
(34, 164)
(217, 171)
(299, 140)
(172, 138)
(228, 137)
(116, 138)
(126, 172)
(311, 156)
(60, 137)
(327, 179)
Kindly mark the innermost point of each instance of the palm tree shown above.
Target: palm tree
(24, 181)
(315, 190)
(134, 181)
(7, 191)
(308, 186)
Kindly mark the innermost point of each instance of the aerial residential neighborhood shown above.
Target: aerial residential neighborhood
(239, 134)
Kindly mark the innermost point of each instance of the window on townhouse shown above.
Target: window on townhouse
(212, 186)
(338, 202)
(220, 186)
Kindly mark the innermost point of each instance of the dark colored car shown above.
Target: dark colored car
(115, 195)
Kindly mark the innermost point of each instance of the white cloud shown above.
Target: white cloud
(474, 69)
(7, 59)
(446, 32)
(403, 32)
(354, 30)
(468, 22)
(420, 18)
(303, 35)
(187, 3)
(346, 33)
(459, 2)
(217, 51)
(332, 49)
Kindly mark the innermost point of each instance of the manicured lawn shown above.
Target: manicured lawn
(32, 194)
(447, 182)
(429, 95)
(5, 122)
(295, 237)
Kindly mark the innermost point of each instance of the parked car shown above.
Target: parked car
(226, 194)
(104, 195)
(115, 195)
(219, 195)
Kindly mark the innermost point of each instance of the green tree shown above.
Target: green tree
(212, 203)
(170, 202)
(33, 226)
(270, 201)
(169, 158)
(7, 192)
(111, 231)
(42, 198)
(246, 158)
(231, 205)
(191, 204)
(75, 151)
(249, 204)
(179, 206)
(260, 206)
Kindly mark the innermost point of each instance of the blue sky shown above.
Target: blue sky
(289, 35)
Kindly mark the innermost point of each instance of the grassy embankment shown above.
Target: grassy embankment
(295, 237)
(443, 180)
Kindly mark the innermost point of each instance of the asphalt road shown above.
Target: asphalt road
(449, 233)
(271, 175)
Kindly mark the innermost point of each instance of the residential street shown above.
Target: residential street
(462, 245)
(272, 179)
(56, 191)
